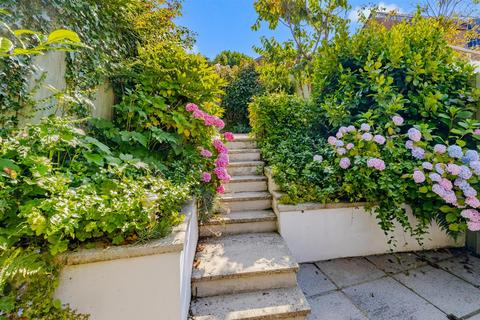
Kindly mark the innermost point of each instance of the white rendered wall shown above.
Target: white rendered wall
(323, 234)
(151, 286)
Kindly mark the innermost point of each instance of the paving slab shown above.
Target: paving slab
(475, 317)
(386, 299)
(465, 266)
(312, 281)
(350, 271)
(334, 306)
(444, 290)
(435, 256)
(398, 262)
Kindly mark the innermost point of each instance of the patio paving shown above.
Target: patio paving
(431, 285)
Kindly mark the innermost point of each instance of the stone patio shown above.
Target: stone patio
(434, 285)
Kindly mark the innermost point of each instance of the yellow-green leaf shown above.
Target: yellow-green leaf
(5, 45)
(62, 35)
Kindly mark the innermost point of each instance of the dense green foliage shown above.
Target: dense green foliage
(409, 70)
(238, 94)
(70, 183)
(231, 58)
(369, 78)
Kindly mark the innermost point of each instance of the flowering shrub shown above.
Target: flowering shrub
(371, 170)
(450, 174)
(218, 175)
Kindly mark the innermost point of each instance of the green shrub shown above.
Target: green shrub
(238, 94)
(408, 69)
(231, 58)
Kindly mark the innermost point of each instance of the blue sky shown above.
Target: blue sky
(225, 24)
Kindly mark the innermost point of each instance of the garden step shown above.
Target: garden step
(247, 183)
(239, 222)
(286, 303)
(242, 263)
(241, 201)
(244, 155)
(246, 143)
(245, 168)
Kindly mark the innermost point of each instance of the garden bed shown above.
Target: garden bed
(135, 281)
(315, 231)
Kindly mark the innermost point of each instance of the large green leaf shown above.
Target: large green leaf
(63, 35)
(5, 45)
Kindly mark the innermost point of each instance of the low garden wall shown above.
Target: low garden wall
(136, 281)
(316, 231)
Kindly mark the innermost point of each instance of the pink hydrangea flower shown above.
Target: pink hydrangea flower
(476, 132)
(471, 214)
(209, 120)
(228, 136)
(349, 146)
(409, 144)
(344, 163)
(221, 189)
(222, 160)
(472, 202)
(379, 139)
(339, 135)
(376, 163)
(332, 140)
(367, 136)
(219, 123)
(191, 107)
(397, 120)
(446, 184)
(221, 173)
(341, 151)
(365, 127)
(199, 114)
(351, 128)
(206, 153)
(414, 134)
(473, 226)
(453, 169)
(219, 146)
(440, 148)
(206, 177)
(418, 176)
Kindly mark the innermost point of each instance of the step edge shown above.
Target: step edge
(239, 275)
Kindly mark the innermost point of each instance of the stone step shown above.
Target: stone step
(286, 303)
(242, 263)
(245, 168)
(247, 183)
(239, 222)
(245, 201)
(242, 144)
(244, 155)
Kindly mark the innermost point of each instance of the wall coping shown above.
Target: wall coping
(310, 206)
(172, 243)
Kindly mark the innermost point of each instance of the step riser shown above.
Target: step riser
(208, 288)
(250, 156)
(249, 205)
(246, 186)
(241, 145)
(238, 228)
(245, 171)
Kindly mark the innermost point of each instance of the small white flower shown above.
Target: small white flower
(318, 158)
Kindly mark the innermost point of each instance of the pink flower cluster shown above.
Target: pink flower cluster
(473, 217)
(449, 178)
(362, 134)
(376, 163)
(222, 161)
(208, 119)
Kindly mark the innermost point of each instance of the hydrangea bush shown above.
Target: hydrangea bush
(370, 170)
(447, 179)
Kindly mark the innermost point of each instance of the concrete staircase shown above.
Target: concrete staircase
(243, 268)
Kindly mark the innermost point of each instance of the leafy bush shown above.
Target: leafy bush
(408, 69)
(231, 58)
(378, 79)
(238, 94)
